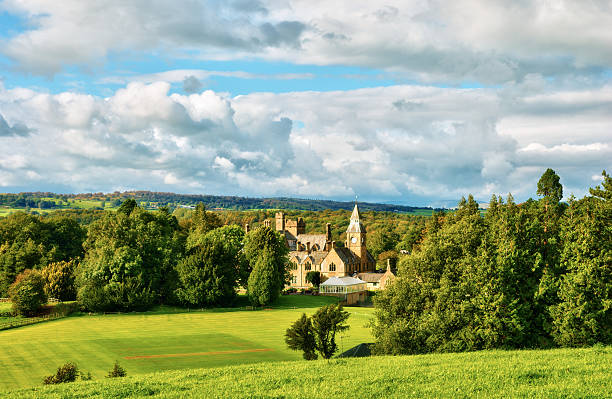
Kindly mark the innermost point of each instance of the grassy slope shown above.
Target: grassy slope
(29, 353)
(560, 373)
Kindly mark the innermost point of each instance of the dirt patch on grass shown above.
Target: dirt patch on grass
(230, 352)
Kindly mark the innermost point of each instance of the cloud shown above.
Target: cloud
(191, 84)
(77, 33)
(17, 129)
(433, 41)
(408, 144)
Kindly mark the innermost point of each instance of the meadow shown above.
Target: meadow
(558, 373)
(165, 339)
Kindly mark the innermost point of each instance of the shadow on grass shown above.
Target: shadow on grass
(242, 304)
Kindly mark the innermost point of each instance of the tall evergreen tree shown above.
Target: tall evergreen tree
(267, 254)
(584, 314)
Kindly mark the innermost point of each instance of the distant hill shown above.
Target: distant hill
(50, 201)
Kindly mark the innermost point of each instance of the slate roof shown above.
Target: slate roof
(316, 256)
(319, 239)
(345, 255)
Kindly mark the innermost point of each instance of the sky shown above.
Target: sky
(407, 102)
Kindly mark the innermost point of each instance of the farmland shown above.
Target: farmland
(160, 340)
(558, 373)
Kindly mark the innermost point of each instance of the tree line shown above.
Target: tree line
(530, 275)
(132, 259)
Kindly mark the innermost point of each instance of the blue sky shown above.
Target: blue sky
(405, 102)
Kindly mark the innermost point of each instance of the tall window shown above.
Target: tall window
(332, 267)
(293, 279)
(307, 266)
(293, 266)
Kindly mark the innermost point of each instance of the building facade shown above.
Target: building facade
(318, 252)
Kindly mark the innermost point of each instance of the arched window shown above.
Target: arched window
(332, 267)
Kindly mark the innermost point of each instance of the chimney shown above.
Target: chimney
(247, 228)
(388, 264)
(333, 244)
(308, 247)
(328, 235)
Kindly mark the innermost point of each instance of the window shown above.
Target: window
(307, 266)
(293, 279)
(294, 266)
(332, 267)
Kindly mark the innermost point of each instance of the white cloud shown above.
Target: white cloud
(409, 144)
(473, 40)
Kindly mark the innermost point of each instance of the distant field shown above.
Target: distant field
(559, 373)
(148, 342)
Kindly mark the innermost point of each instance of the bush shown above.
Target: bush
(64, 309)
(66, 373)
(28, 293)
(117, 371)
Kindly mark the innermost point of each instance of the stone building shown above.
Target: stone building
(318, 252)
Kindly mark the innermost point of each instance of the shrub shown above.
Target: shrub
(66, 373)
(64, 309)
(117, 371)
(28, 293)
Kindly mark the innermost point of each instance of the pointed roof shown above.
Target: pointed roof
(355, 225)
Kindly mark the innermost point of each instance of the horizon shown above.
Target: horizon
(408, 103)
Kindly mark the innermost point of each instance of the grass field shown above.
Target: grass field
(559, 373)
(148, 342)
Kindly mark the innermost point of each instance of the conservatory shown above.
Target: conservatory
(350, 289)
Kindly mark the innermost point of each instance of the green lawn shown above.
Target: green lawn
(155, 341)
(559, 373)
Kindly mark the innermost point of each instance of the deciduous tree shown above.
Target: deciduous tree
(27, 293)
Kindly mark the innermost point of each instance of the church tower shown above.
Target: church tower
(356, 239)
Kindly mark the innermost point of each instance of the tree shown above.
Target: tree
(130, 260)
(208, 275)
(549, 186)
(127, 207)
(583, 315)
(117, 371)
(232, 238)
(30, 242)
(266, 252)
(605, 191)
(65, 373)
(300, 336)
(383, 239)
(314, 278)
(326, 322)
(59, 280)
(27, 293)
(202, 222)
(263, 284)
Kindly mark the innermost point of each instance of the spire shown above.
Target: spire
(355, 214)
(355, 225)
